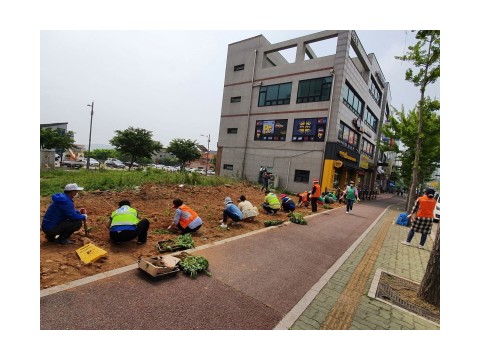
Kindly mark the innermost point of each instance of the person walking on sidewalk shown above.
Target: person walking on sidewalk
(314, 195)
(424, 207)
(230, 211)
(125, 225)
(185, 218)
(351, 195)
(61, 218)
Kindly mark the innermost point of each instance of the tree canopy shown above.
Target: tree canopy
(404, 127)
(185, 150)
(52, 139)
(135, 143)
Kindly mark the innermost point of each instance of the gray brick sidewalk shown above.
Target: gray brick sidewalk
(370, 313)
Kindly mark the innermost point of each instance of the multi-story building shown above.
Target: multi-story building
(318, 116)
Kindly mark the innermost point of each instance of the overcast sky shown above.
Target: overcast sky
(168, 82)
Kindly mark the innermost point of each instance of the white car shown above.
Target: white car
(93, 163)
(436, 212)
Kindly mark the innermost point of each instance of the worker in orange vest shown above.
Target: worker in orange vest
(423, 208)
(185, 218)
(315, 194)
(303, 199)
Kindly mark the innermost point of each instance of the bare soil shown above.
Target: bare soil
(60, 264)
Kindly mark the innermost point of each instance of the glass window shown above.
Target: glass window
(375, 91)
(227, 167)
(275, 94)
(352, 100)
(271, 130)
(370, 120)
(367, 147)
(302, 176)
(314, 90)
(235, 99)
(232, 130)
(309, 129)
(238, 67)
(348, 137)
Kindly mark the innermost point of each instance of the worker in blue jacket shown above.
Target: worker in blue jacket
(61, 218)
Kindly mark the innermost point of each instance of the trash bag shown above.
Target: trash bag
(403, 220)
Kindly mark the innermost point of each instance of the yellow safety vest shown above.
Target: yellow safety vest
(124, 215)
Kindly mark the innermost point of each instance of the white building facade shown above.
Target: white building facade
(318, 116)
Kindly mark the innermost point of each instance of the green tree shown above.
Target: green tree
(102, 154)
(135, 143)
(52, 139)
(425, 55)
(404, 127)
(184, 150)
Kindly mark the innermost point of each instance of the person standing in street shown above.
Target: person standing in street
(125, 225)
(61, 219)
(351, 196)
(185, 218)
(423, 208)
(314, 195)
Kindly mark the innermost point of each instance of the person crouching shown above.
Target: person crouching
(125, 225)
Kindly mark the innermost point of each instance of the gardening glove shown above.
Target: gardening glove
(85, 216)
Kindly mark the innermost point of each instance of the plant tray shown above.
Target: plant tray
(161, 246)
(159, 266)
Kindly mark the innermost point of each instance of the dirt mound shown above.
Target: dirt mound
(60, 264)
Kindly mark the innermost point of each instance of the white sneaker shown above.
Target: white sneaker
(421, 247)
(405, 242)
(223, 226)
(347, 212)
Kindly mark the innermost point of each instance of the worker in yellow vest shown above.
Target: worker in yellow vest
(185, 218)
(125, 225)
(271, 204)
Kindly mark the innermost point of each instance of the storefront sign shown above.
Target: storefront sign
(337, 164)
(364, 161)
(345, 155)
(358, 124)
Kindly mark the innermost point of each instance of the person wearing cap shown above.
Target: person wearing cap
(61, 219)
(249, 211)
(351, 195)
(271, 204)
(125, 225)
(230, 211)
(314, 195)
(185, 218)
(287, 204)
(423, 208)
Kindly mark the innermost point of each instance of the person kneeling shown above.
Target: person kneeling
(125, 225)
(231, 211)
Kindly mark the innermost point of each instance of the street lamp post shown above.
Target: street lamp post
(208, 151)
(90, 136)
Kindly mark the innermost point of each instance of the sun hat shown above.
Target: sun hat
(430, 192)
(72, 187)
(228, 200)
(282, 196)
(315, 180)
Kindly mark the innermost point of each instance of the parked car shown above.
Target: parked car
(436, 212)
(93, 163)
(115, 163)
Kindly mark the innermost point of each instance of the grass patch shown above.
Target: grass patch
(52, 182)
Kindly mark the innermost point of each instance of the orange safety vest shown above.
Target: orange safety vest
(426, 206)
(304, 196)
(187, 216)
(317, 191)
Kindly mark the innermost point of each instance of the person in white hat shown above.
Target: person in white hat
(230, 211)
(61, 219)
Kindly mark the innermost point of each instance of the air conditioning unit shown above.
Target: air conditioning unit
(274, 181)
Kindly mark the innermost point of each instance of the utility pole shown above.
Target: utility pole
(208, 152)
(90, 136)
